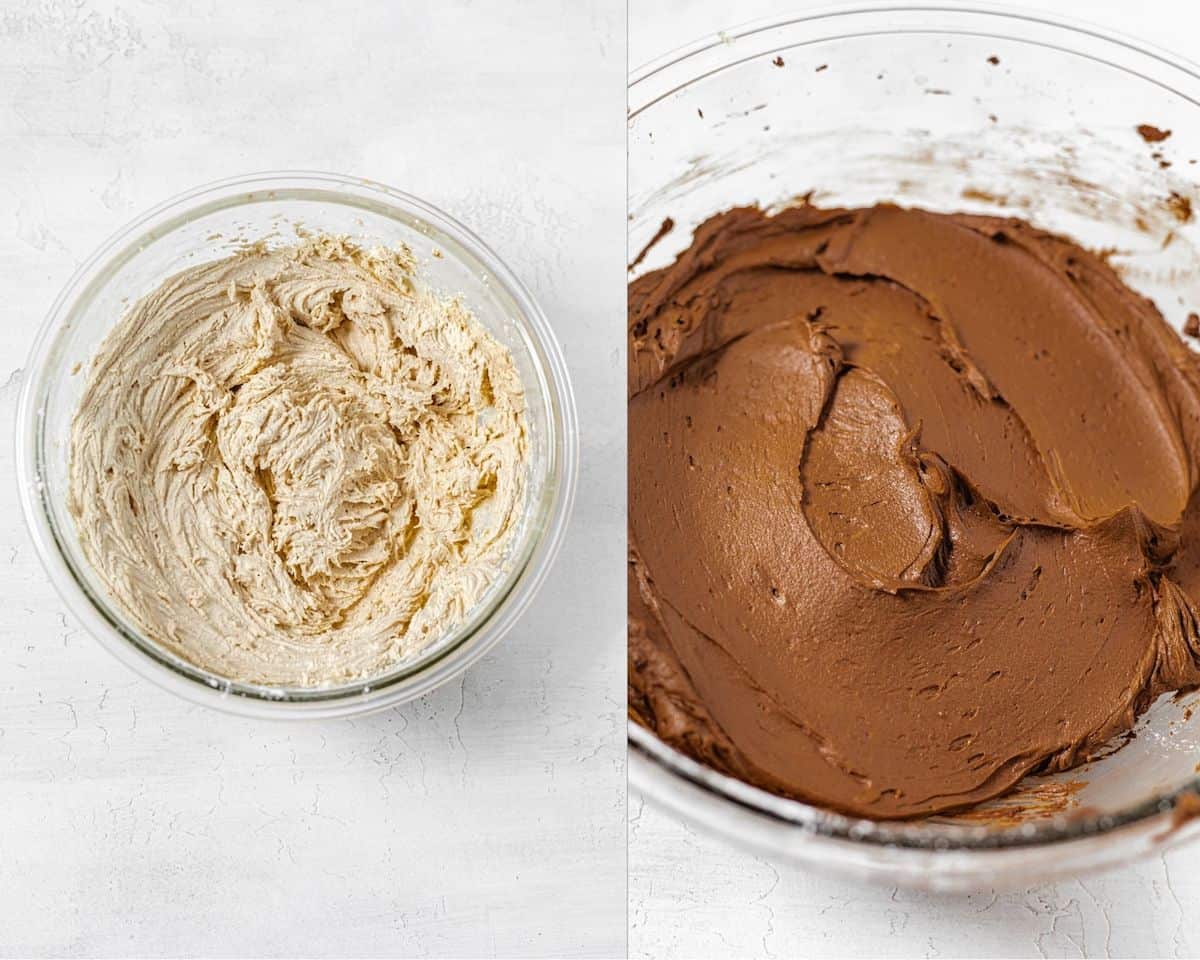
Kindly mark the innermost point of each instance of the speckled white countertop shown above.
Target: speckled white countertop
(488, 818)
(693, 895)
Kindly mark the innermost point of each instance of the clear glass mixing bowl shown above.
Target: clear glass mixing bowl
(208, 223)
(983, 110)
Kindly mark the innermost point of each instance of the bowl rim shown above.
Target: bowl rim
(486, 625)
(650, 757)
(998, 12)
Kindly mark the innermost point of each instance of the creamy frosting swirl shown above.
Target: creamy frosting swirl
(912, 505)
(298, 466)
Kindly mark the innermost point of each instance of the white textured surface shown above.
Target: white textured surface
(486, 819)
(693, 895)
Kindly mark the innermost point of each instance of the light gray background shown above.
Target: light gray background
(692, 895)
(486, 819)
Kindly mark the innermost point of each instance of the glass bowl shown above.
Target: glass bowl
(208, 223)
(983, 110)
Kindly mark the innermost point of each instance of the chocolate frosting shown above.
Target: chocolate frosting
(912, 505)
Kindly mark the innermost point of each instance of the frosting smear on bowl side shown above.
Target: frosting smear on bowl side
(299, 466)
(912, 505)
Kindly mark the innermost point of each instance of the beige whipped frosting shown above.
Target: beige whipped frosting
(297, 467)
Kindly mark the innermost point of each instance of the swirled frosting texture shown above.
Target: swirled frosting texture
(911, 505)
(298, 467)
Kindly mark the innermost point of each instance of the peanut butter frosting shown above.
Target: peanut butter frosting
(912, 505)
(299, 466)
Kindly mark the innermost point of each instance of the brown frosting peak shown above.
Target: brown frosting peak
(910, 502)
